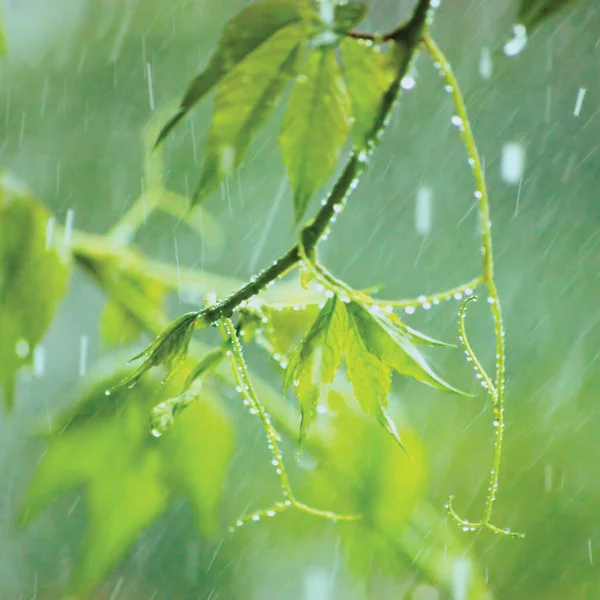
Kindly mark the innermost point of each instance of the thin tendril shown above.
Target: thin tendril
(248, 392)
(461, 121)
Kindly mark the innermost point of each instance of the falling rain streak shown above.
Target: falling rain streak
(512, 165)
(423, 208)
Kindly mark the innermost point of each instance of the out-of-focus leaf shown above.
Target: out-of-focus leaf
(368, 74)
(286, 326)
(33, 278)
(2, 40)
(316, 360)
(130, 478)
(243, 34)
(349, 15)
(117, 325)
(315, 126)
(532, 13)
(245, 100)
(373, 478)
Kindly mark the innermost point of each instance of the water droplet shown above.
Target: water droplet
(408, 82)
(491, 300)
(271, 513)
(518, 42)
(409, 310)
(22, 348)
(512, 165)
(457, 121)
(256, 517)
(156, 433)
(107, 392)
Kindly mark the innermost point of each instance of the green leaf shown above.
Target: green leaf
(532, 13)
(243, 34)
(317, 359)
(33, 278)
(349, 15)
(368, 74)
(315, 126)
(129, 478)
(386, 338)
(168, 349)
(245, 100)
(119, 326)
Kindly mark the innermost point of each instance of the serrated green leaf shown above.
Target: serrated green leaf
(128, 478)
(33, 279)
(243, 34)
(532, 13)
(315, 126)
(317, 359)
(119, 326)
(168, 349)
(368, 74)
(349, 15)
(285, 327)
(386, 339)
(245, 100)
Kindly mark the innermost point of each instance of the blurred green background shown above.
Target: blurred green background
(75, 96)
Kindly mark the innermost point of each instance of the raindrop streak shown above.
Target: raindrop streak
(485, 63)
(460, 578)
(150, 86)
(512, 163)
(68, 232)
(83, 350)
(590, 552)
(50, 226)
(518, 42)
(39, 361)
(178, 271)
(579, 101)
(423, 203)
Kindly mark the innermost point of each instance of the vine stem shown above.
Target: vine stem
(251, 399)
(496, 391)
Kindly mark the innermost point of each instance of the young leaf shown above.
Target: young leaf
(368, 74)
(532, 13)
(317, 358)
(129, 478)
(349, 15)
(245, 100)
(168, 349)
(33, 278)
(386, 338)
(315, 126)
(243, 34)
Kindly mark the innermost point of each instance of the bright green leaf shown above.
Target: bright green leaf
(368, 74)
(317, 359)
(243, 34)
(33, 279)
(129, 478)
(532, 13)
(349, 15)
(315, 126)
(245, 100)
(385, 338)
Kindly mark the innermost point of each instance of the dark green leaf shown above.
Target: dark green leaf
(532, 13)
(168, 349)
(243, 34)
(349, 15)
(129, 478)
(245, 100)
(33, 279)
(317, 358)
(368, 74)
(315, 127)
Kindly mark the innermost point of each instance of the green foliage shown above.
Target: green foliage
(243, 34)
(33, 279)
(128, 477)
(349, 15)
(245, 100)
(373, 343)
(311, 153)
(532, 13)
(368, 74)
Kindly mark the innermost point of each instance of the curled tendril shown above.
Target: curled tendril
(251, 399)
